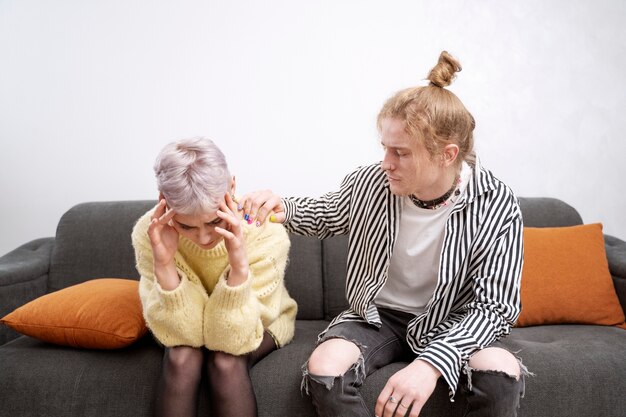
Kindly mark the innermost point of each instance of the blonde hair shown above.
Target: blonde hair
(434, 114)
(192, 175)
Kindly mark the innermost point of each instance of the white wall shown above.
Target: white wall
(91, 90)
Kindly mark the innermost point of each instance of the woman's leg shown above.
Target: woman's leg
(177, 393)
(230, 387)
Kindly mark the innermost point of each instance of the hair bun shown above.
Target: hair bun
(444, 72)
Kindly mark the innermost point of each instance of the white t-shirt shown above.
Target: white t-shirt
(414, 265)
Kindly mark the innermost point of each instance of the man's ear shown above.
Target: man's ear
(450, 153)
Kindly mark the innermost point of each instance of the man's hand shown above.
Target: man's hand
(259, 204)
(410, 387)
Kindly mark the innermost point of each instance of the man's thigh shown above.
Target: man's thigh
(378, 346)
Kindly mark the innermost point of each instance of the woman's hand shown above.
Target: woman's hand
(163, 237)
(232, 233)
(257, 205)
(164, 241)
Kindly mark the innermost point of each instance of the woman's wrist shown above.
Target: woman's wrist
(167, 276)
(237, 275)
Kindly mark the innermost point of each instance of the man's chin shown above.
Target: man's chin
(397, 191)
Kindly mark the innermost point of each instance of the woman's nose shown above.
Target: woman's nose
(204, 236)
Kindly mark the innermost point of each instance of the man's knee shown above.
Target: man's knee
(333, 357)
(495, 359)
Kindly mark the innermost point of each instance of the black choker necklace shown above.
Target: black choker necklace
(440, 201)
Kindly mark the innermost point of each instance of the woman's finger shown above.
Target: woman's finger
(165, 218)
(226, 234)
(159, 209)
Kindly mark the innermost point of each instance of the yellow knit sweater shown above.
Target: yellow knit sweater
(204, 310)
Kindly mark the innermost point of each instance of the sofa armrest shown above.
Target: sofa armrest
(23, 277)
(616, 255)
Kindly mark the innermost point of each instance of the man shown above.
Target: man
(434, 263)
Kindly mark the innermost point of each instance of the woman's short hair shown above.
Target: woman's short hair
(433, 114)
(192, 175)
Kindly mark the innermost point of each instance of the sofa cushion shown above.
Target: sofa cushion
(548, 212)
(97, 314)
(303, 277)
(335, 253)
(566, 279)
(41, 379)
(93, 240)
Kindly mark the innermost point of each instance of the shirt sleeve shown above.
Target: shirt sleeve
(322, 217)
(493, 310)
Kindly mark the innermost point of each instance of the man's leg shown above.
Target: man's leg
(347, 353)
(494, 383)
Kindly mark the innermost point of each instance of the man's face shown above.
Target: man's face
(408, 165)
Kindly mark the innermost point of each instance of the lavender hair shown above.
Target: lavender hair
(192, 175)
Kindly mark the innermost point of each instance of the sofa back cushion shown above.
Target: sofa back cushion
(93, 241)
(548, 212)
(303, 277)
(335, 254)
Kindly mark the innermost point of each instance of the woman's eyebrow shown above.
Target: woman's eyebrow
(184, 225)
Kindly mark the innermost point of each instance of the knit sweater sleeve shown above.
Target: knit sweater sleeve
(236, 316)
(174, 317)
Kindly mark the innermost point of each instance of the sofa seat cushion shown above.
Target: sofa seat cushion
(278, 376)
(41, 379)
(579, 369)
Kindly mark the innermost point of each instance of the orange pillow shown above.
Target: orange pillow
(102, 313)
(566, 278)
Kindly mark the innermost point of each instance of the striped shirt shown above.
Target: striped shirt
(477, 297)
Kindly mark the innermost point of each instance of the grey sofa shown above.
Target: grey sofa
(580, 369)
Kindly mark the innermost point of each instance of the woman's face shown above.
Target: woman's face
(200, 229)
(409, 167)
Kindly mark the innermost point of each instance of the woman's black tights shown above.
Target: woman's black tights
(231, 392)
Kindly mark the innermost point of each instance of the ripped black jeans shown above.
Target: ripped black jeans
(486, 393)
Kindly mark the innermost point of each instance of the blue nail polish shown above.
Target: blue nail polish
(246, 217)
(239, 207)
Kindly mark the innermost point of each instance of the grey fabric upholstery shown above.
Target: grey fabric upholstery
(77, 254)
(548, 212)
(23, 277)
(580, 370)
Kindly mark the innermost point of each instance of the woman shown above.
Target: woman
(211, 284)
(434, 264)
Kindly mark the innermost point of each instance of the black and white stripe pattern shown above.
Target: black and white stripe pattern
(477, 297)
